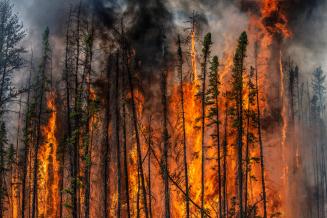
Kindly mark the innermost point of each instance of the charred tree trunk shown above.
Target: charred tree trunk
(262, 164)
(75, 171)
(166, 142)
(117, 116)
(181, 83)
(225, 202)
(26, 140)
(149, 166)
(107, 149)
(125, 147)
(68, 111)
(206, 52)
(138, 142)
(247, 162)
(90, 112)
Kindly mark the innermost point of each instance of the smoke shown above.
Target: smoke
(147, 25)
(38, 14)
(308, 22)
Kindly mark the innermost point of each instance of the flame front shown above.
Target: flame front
(48, 198)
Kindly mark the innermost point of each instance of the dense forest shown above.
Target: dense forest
(162, 109)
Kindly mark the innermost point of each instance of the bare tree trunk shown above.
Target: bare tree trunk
(166, 143)
(138, 209)
(218, 149)
(203, 108)
(87, 154)
(69, 128)
(225, 204)
(181, 79)
(138, 142)
(75, 171)
(247, 162)
(262, 165)
(26, 140)
(15, 179)
(149, 166)
(125, 149)
(107, 149)
(36, 149)
(117, 115)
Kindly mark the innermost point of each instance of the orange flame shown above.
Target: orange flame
(49, 166)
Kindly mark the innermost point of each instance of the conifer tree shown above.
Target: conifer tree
(213, 116)
(250, 116)
(11, 34)
(237, 92)
(206, 54)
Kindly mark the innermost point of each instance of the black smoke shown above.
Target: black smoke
(148, 26)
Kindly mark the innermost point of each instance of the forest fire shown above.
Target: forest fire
(162, 109)
(48, 200)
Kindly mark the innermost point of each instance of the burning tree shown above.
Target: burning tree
(117, 133)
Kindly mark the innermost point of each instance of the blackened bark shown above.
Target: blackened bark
(26, 141)
(138, 142)
(262, 165)
(181, 84)
(107, 149)
(117, 116)
(166, 142)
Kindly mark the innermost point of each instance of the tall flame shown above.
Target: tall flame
(48, 198)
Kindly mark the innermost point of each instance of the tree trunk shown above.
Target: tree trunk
(125, 149)
(26, 141)
(87, 154)
(107, 150)
(36, 149)
(138, 142)
(262, 165)
(149, 167)
(181, 82)
(166, 143)
(247, 161)
(75, 171)
(117, 115)
(225, 203)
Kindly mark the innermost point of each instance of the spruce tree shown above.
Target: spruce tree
(206, 54)
(213, 116)
(237, 92)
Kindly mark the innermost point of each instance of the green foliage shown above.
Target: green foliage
(237, 79)
(206, 44)
(238, 67)
(11, 35)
